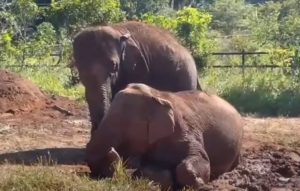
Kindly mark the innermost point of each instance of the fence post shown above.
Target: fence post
(243, 63)
(295, 63)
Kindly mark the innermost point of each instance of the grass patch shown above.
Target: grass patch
(54, 81)
(261, 92)
(267, 92)
(46, 178)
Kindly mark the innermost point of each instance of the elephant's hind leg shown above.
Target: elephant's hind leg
(193, 171)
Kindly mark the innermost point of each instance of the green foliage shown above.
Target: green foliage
(161, 21)
(271, 26)
(230, 16)
(24, 12)
(190, 25)
(260, 92)
(55, 82)
(73, 14)
(18, 35)
(264, 25)
(29, 35)
(281, 57)
(136, 8)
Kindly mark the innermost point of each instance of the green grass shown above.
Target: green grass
(54, 81)
(262, 92)
(265, 92)
(53, 178)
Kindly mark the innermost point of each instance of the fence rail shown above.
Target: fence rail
(243, 65)
(238, 53)
(250, 66)
(31, 66)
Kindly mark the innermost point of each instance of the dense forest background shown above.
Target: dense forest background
(30, 31)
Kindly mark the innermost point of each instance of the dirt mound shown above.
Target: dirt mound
(18, 94)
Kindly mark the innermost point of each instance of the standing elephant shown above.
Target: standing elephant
(190, 135)
(110, 57)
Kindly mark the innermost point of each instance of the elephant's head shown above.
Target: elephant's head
(138, 117)
(98, 55)
(108, 164)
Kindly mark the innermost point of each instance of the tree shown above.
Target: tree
(136, 8)
(230, 16)
(264, 25)
(179, 4)
(72, 14)
(289, 28)
(191, 26)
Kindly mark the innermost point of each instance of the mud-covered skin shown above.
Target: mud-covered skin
(194, 135)
(110, 57)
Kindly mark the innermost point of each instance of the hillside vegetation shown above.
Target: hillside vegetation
(30, 33)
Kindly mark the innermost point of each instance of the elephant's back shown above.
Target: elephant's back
(159, 41)
(148, 32)
(171, 65)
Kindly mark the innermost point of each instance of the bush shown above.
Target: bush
(29, 34)
(261, 92)
(75, 14)
(191, 26)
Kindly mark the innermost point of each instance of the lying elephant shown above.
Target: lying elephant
(110, 57)
(192, 135)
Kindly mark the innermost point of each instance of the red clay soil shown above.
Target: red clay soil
(18, 94)
(31, 119)
(21, 96)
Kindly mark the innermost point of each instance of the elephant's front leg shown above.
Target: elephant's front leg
(194, 171)
(159, 175)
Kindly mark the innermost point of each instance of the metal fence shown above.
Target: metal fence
(58, 54)
(243, 64)
(293, 66)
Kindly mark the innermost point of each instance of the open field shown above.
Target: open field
(42, 148)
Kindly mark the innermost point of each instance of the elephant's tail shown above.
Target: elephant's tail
(198, 84)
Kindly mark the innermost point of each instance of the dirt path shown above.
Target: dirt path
(271, 151)
(59, 131)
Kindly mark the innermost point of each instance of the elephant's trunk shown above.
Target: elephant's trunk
(100, 145)
(98, 98)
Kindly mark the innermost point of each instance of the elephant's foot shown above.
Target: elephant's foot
(193, 172)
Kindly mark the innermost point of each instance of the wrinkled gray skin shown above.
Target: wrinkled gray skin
(110, 57)
(191, 136)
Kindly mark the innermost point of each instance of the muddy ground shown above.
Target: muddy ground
(40, 128)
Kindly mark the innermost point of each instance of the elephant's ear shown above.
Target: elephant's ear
(162, 120)
(135, 59)
(123, 40)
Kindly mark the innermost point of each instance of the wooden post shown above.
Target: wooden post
(243, 63)
(295, 63)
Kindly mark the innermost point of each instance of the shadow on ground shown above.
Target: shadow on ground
(61, 156)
